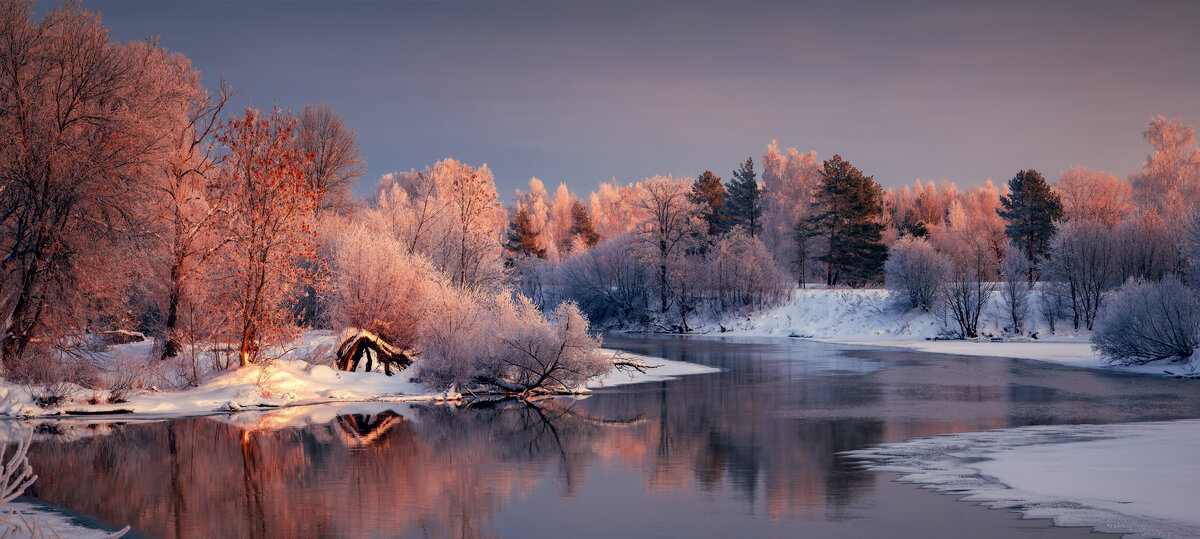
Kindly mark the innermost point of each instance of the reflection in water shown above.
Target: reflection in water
(755, 444)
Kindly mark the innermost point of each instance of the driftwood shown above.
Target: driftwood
(624, 364)
(121, 336)
(366, 346)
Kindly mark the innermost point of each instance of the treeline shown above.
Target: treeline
(661, 252)
(131, 198)
(1121, 257)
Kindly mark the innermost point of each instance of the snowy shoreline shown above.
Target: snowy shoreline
(1098, 476)
(869, 317)
(288, 383)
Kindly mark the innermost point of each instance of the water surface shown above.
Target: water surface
(749, 451)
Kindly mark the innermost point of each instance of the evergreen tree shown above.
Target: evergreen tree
(743, 203)
(912, 225)
(581, 225)
(847, 210)
(709, 194)
(522, 238)
(1031, 209)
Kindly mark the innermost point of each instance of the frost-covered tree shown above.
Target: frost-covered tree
(847, 214)
(743, 199)
(1148, 321)
(788, 182)
(669, 224)
(968, 292)
(379, 286)
(1031, 209)
(916, 273)
(709, 195)
(508, 344)
(610, 282)
(1082, 256)
(1094, 196)
(1147, 248)
(181, 215)
(268, 210)
(745, 274)
(1015, 286)
(615, 209)
(449, 213)
(536, 352)
(85, 123)
(1169, 182)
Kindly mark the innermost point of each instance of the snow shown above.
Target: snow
(869, 317)
(303, 376)
(665, 370)
(44, 516)
(1138, 478)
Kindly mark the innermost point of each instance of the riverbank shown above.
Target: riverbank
(1137, 478)
(301, 377)
(870, 317)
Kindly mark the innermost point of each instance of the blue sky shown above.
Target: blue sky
(583, 92)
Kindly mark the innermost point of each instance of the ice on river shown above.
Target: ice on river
(1139, 478)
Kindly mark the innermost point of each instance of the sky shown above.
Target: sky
(585, 92)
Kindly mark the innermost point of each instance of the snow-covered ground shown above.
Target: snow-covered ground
(1138, 478)
(296, 379)
(870, 317)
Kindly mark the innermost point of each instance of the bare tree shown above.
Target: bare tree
(968, 292)
(1082, 256)
(609, 281)
(336, 157)
(1149, 321)
(1015, 287)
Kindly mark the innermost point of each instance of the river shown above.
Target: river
(750, 451)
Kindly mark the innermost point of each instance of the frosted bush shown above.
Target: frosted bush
(746, 274)
(915, 273)
(381, 288)
(536, 352)
(1148, 321)
(507, 344)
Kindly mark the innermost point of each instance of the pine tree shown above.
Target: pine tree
(1031, 209)
(581, 225)
(912, 225)
(522, 238)
(743, 205)
(847, 210)
(710, 195)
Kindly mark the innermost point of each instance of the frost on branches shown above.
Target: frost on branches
(267, 219)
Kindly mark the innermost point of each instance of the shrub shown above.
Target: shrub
(915, 273)
(1148, 321)
(379, 287)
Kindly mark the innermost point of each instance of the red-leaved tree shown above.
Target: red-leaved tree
(268, 209)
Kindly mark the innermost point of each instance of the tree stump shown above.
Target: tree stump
(366, 349)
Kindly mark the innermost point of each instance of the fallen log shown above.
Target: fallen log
(368, 350)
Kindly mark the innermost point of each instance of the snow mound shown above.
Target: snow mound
(1138, 478)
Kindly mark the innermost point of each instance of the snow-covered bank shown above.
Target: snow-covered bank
(1136, 478)
(292, 381)
(869, 317)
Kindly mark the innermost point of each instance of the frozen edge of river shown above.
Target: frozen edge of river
(1138, 478)
(290, 383)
